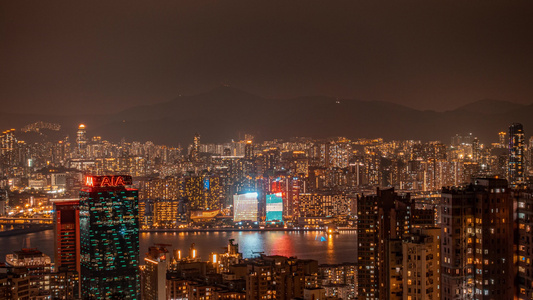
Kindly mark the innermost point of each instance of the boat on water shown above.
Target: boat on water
(331, 229)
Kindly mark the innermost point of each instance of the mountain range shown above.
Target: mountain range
(226, 113)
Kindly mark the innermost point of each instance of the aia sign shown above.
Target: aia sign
(108, 181)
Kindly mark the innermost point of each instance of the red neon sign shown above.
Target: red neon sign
(108, 181)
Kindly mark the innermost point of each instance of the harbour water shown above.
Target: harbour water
(328, 249)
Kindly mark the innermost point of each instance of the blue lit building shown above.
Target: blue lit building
(109, 239)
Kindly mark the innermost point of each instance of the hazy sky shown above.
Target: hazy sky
(68, 56)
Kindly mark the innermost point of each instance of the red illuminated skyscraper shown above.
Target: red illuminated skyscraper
(67, 234)
(66, 248)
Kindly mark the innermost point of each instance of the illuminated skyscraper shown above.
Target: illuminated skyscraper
(81, 140)
(67, 246)
(516, 155)
(195, 148)
(245, 207)
(274, 208)
(249, 150)
(109, 229)
(7, 154)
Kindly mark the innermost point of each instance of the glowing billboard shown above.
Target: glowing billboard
(274, 207)
(245, 207)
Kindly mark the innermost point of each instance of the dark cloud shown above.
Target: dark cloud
(67, 56)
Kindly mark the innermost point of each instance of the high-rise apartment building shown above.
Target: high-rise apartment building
(153, 273)
(516, 155)
(525, 243)
(195, 150)
(421, 264)
(204, 191)
(81, 140)
(109, 230)
(383, 220)
(477, 241)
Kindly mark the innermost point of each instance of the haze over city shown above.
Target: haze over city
(65, 57)
(239, 150)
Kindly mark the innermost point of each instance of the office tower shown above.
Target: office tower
(37, 266)
(383, 220)
(67, 248)
(516, 156)
(153, 273)
(525, 243)
(289, 188)
(245, 207)
(81, 140)
(67, 233)
(109, 230)
(421, 264)
(274, 208)
(477, 241)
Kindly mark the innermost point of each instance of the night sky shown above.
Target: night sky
(66, 56)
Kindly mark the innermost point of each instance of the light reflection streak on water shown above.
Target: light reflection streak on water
(336, 249)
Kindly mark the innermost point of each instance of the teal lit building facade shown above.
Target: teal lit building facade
(274, 208)
(109, 239)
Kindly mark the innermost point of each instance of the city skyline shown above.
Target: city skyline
(276, 150)
(395, 202)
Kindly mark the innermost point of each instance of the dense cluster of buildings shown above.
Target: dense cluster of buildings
(199, 186)
(433, 221)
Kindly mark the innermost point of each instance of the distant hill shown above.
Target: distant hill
(227, 113)
(490, 106)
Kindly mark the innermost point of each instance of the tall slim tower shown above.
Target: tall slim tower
(516, 155)
(7, 153)
(81, 140)
(109, 229)
(67, 246)
(195, 147)
(249, 150)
